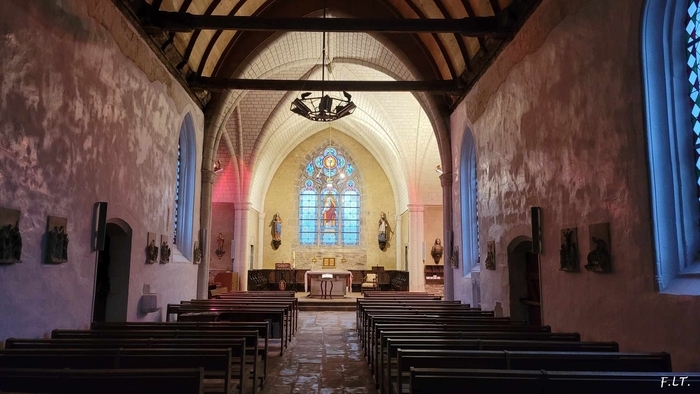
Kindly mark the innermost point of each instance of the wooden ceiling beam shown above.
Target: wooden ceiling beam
(185, 22)
(441, 87)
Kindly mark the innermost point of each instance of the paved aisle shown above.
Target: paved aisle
(325, 357)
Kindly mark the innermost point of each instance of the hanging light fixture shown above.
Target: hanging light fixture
(323, 108)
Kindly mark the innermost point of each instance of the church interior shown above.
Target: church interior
(536, 162)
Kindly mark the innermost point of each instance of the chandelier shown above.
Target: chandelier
(323, 108)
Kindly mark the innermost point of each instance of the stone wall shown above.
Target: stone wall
(87, 114)
(558, 122)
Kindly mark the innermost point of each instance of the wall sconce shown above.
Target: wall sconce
(438, 169)
(314, 260)
(218, 167)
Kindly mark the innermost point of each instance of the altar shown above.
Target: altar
(327, 283)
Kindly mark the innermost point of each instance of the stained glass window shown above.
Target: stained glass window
(177, 192)
(693, 44)
(328, 216)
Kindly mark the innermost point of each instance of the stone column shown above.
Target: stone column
(397, 243)
(415, 247)
(446, 182)
(205, 223)
(240, 242)
(261, 238)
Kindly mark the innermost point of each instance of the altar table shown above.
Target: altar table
(342, 282)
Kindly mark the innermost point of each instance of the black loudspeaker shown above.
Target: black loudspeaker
(536, 217)
(100, 226)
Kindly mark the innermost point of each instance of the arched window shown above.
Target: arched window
(468, 199)
(670, 69)
(328, 217)
(184, 188)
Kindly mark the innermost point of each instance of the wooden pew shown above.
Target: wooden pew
(103, 381)
(361, 305)
(240, 314)
(465, 340)
(236, 346)
(216, 363)
(525, 360)
(250, 337)
(292, 304)
(263, 329)
(456, 310)
(489, 381)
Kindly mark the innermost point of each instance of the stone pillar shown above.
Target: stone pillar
(261, 238)
(446, 182)
(415, 247)
(240, 242)
(205, 223)
(397, 243)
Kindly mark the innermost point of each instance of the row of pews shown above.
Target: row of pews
(415, 343)
(218, 345)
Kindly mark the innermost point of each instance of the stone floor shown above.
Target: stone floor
(325, 357)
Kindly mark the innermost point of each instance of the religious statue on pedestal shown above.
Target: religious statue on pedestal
(276, 230)
(384, 231)
(436, 251)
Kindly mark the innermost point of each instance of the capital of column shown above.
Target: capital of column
(446, 179)
(208, 176)
(416, 207)
(242, 206)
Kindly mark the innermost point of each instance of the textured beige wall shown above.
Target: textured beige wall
(88, 114)
(283, 197)
(404, 240)
(432, 229)
(572, 141)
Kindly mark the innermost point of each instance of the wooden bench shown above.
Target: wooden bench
(240, 314)
(466, 340)
(361, 305)
(103, 381)
(524, 360)
(216, 363)
(235, 345)
(489, 381)
(292, 304)
(457, 310)
(250, 337)
(263, 329)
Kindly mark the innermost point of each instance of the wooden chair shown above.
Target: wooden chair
(370, 282)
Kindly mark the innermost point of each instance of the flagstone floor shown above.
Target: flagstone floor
(325, 357)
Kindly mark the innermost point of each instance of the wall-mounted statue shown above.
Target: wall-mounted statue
(568, 254)
(10, 237)
(151, 249)
(490, 263)
(599, 258)
(220, 246)
(197, 254)
(384, 232)
(56, 240)
(164, 250)
(276, 231)
(436, 251)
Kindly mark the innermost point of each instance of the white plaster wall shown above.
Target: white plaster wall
(558, 123)
(87, 114)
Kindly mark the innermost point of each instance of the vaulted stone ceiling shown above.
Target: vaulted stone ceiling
(405, 131)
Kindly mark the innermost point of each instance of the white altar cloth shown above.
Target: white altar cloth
(346, 273)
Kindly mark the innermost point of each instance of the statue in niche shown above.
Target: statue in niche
(57, 245)
(568, 254)
(599, 257)
(384, 232)
(152, 251)
(436, 251)
(164, 251)
(10, 244)
(220, 246)
(276, 231)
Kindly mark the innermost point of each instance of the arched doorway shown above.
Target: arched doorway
(112, 282)
(524, 278)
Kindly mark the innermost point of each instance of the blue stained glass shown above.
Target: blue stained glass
(310, 169)
(309, 185)
(330, 151)
(319, 162)
(308, 208)
(350, 170)
(341, 161)
(693, 48)
(351, 217)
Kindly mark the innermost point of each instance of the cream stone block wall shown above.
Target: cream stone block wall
(283, 197)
